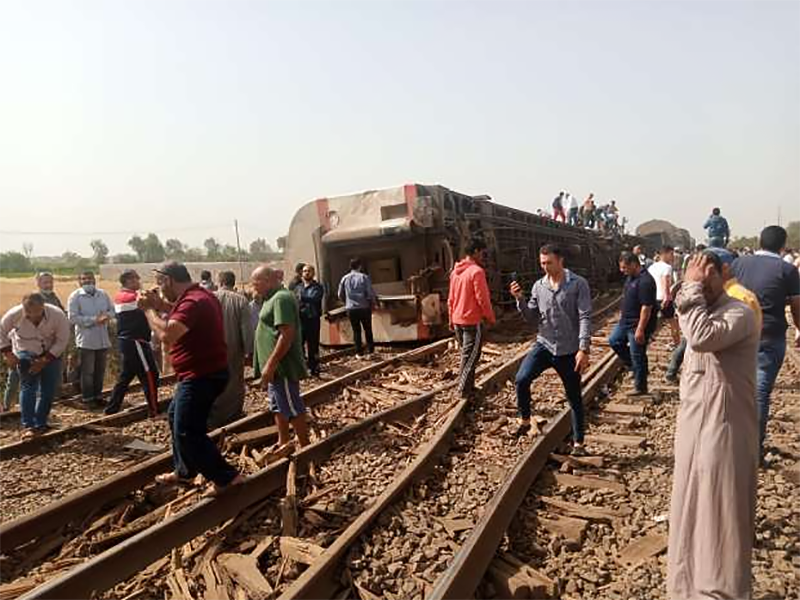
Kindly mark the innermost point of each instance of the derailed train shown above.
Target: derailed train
(408, 238)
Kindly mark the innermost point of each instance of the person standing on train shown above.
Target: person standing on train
(355, 290)
(572, 215)
(470, 307)
(311, 293)
(718, 231)
(561, 305)
(637, 321)
(558, 207)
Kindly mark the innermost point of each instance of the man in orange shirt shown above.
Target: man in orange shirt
(470, 307)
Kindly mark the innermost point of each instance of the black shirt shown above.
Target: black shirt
(639, 290)
(774, 281)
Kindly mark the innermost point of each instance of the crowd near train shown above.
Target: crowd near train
(419, 262)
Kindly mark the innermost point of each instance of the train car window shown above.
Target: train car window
(393, 211)
(384, 270)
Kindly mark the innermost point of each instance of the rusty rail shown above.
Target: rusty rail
(78, 504)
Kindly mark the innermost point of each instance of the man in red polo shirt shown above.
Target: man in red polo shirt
(194, 332)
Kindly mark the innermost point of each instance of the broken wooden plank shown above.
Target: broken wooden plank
(243, 569)
(288, 504)
(643, 549)
(570, 528)
(507, 581)
(629, 441)
(592, 513)
(579, 461)
(301, 551)
(453, 526)
(541, 585)
(588, 481)
(624, 409)
(615, 419)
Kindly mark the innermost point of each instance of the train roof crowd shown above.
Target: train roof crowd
(725, 314)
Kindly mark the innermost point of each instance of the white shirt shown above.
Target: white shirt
(50, 335)
(658, 271)
(573, 202)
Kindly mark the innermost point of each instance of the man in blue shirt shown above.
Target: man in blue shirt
(311, 294)
(776, 283)
(637, 322)
(355, 290)
(718, 230)
(561, 305)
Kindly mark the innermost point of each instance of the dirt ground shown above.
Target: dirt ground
(12, 289)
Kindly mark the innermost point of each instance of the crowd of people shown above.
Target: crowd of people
(727, 322)
(725, 315)
(587, 214)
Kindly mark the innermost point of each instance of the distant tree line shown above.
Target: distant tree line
(792, 240)
(145, 249)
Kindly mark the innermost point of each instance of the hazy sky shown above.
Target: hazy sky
(176, 117)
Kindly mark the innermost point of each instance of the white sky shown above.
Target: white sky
(179, 116)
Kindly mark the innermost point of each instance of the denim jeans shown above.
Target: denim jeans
(632, 354)
(538, 360)
(193, 451)
(676, 360)
(771, 353)
(42, 384)
(11, 393)
(93, 372)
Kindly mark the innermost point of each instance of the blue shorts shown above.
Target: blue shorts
(284, 398)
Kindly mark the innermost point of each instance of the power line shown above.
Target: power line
(130, 232)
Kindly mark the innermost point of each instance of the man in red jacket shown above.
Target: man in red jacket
(469, 306)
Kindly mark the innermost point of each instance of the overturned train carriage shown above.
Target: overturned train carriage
(408, 239)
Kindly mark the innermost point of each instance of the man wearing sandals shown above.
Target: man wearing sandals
(33, 336)
(193, 330)
(278, 354)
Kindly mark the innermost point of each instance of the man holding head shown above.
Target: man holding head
(561, 306)
(637, 321)
(278, 357)
(90, 310)
(33, 336)
(712, 513)
(193, 330)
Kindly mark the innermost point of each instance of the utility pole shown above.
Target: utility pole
(239, 251)
(779, 215)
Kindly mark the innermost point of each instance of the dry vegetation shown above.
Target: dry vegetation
(12, 289)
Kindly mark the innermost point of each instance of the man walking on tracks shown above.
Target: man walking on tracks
(776, 283)
(90, 310)
(33, 336)
(239, 341)
(637, 322)
(133, 335)
(712, 513)
(470, 306)
(561, 305)
(355, 290)
(194, 331)
(278, 357)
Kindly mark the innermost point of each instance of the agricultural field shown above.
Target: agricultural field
(13, 288)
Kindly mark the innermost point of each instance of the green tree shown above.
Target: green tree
(175, 249)
(213, 248)
(194, 255)
(137, 244)
(14, 262)
(793, 229)
(99, 251)
(125, 258)
(153, 248)
(260, 249)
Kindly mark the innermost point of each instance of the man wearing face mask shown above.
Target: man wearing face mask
(195, 333)
(33, 336)
(90, 310)
(712, 513)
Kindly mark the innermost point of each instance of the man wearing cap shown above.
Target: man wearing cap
(136, 354)
(33, 336)
(194, 331)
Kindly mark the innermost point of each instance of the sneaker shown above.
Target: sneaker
(578, 450)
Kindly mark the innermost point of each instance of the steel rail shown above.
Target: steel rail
(82, 502)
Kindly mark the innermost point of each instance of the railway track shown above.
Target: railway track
(125, 558)
(44, 525)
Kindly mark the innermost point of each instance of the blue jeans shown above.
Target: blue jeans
(538, 360)
(11, 392)
(42, 384)
(632, 354)
(193, 451)
(676, 360)
(771, 353)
